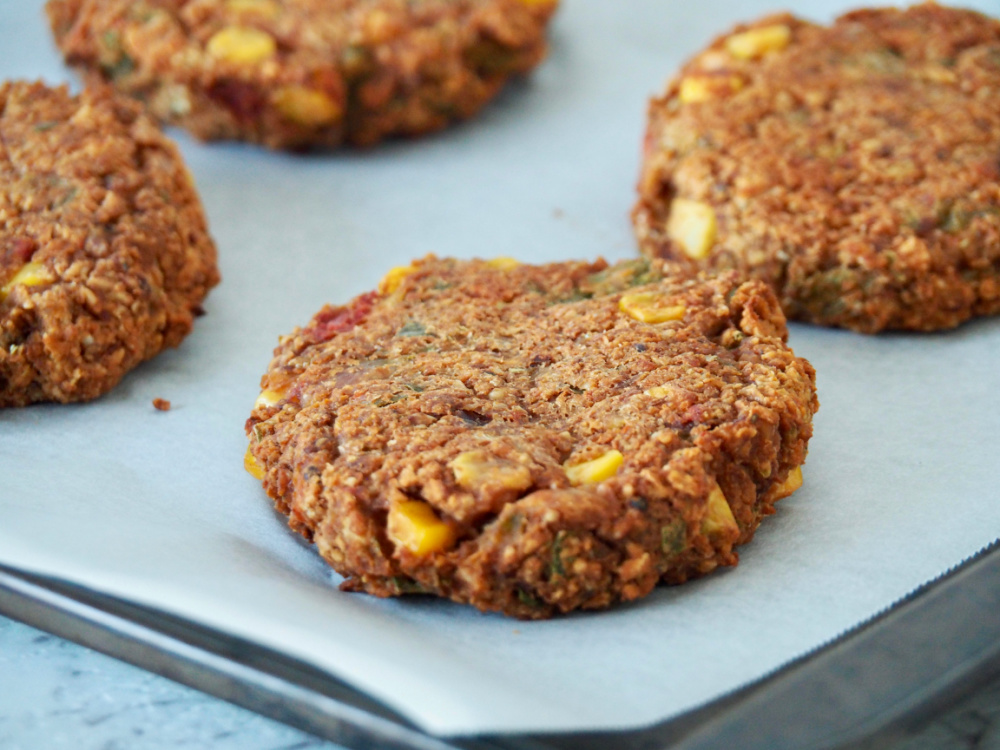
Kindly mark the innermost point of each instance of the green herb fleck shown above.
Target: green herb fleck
(527, 599)
(511, 524)
(406, 585)
(412, 328)
(577, 295)
(673, 537)
(619, 277)
(69, 196)
(556, 567)
(111, 40)
(114, 62)
(121, 68)
(356, 61)
(394, 399)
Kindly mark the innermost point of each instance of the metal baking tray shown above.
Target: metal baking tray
(872, 684)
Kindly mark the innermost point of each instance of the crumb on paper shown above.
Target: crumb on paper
(161, 404)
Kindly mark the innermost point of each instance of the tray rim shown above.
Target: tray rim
(860, 689)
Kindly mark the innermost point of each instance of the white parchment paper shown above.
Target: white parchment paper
(155, 507)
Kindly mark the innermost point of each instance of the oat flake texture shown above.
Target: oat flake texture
(855, 167)
(105, 255)
(304, 73)
(534, 439)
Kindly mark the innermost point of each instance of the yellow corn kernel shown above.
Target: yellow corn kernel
(647, 307)
(414, 525)
(695, 89)
(699, 88)
(306, 106)
(268, 398)
(252, 465)
(597, 470)
(474, 469)
(659, 391)
(242, 45)
(503, 263)
(792, 482)
(719, 516)
(692, 225)
(30, 274)
(757, 42)
(267, 8)
(391, 281)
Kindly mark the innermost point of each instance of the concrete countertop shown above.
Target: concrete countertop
(60, 696)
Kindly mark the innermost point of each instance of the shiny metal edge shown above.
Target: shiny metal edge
(236, 671)
(871, 685)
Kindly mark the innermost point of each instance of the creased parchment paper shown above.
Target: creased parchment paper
(900, 482)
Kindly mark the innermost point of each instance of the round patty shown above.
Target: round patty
(104, 251)
(303, 73)
(534, 439)
(854, 167)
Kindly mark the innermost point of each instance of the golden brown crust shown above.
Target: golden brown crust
(98, 207)
(857, 169)
(334, 71)
(525, 371)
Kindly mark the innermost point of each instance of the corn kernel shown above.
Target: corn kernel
(758, 42)
(414, 525)
(695, 89)
(267, 8)
(700, 88)
(252, 465)
(719, 516)
(659, 391)
(306, 106)
(692, 225)
(647, 307)
(503, 263)
(792, 482)
(391, 281)
(268, 398)
(30, 274)
(474, 469)
(242, 45)
(597, 470)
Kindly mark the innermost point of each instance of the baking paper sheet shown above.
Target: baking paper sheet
(899, 484)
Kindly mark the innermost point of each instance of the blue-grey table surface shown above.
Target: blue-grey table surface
(57, 695)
